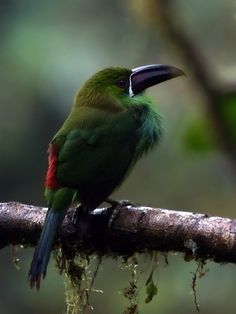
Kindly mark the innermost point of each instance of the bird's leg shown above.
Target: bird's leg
(79, 211)
(115, 207)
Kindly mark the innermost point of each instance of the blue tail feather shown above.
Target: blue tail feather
(42, 252)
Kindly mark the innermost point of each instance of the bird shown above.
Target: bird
(112, 124)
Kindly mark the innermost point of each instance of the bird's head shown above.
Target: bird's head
(110, 86)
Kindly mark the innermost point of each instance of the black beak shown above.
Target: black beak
(149, 75)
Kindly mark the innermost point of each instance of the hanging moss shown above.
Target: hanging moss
(79, 279)
(81, 270)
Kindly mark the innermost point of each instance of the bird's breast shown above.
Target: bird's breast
(150, 128)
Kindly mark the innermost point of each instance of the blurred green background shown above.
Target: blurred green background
(48, 49)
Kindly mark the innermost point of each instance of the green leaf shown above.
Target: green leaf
(151, 288)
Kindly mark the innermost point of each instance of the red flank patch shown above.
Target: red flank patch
(51, 176)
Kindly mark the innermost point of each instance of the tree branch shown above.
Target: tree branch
(135, 229)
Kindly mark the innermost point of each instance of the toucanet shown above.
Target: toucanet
(111, 125)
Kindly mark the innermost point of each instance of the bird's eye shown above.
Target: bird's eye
(122, 83)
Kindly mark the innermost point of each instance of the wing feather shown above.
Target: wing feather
(95, 160)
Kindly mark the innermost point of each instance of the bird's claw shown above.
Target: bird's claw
(122, 203)
(115, 207)
(78, 211)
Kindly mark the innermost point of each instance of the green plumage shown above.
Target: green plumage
(109, 128)
(96, 154)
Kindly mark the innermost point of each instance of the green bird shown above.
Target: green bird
(111, 125)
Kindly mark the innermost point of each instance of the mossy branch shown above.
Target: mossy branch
(134, 229)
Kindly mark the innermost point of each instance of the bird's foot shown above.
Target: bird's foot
(115, 207)
(122, 203)
(79, 210)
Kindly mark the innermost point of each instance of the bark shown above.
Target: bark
(134, 229)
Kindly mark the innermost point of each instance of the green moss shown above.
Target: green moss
(81, 270)
(79, 279)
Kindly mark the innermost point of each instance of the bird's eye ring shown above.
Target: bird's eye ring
(122, 83)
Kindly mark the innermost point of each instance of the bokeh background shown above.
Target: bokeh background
(48, 49)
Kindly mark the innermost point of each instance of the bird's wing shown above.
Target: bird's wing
(96, 160)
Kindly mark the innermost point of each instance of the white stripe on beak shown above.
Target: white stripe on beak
(131, 93)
